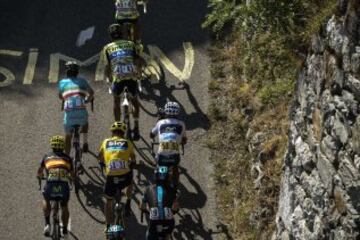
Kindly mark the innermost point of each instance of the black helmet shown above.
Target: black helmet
(115, 31)
(72, 68)
(161, 174)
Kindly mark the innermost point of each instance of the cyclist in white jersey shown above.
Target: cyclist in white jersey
(172, 134)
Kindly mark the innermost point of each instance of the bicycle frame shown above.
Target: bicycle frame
(119, 218)
(126, 105)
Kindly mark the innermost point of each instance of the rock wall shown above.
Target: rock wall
(320, 192)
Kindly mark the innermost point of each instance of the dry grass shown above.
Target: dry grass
(248, 212)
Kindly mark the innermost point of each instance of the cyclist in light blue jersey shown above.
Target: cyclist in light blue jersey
(75, 92)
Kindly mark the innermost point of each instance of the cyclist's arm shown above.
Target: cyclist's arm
(40, 172)
(176, 204)
(154, 131)
(144, 200)
(184, 137)
(41, 168)
(100, 156)
(132, 154)
(72, 173)
(108, 74)
(91, 93)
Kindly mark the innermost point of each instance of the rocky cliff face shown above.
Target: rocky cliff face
(320, 192)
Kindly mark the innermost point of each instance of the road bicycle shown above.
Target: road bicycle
(55, 205)
(117, 230)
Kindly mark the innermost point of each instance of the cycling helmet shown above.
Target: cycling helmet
(120, 126)
(115, 31)
(161, 174)
(72, 68)
(172, 109)
(57, 142)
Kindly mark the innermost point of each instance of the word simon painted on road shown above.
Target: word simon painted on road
(153, 58)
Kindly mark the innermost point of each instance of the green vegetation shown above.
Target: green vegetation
(258, 49)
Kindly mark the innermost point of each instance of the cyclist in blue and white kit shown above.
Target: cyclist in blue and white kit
(172, 134)
(75, 92)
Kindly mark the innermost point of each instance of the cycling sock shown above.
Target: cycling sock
(85, 137)
(47, 220)
(65, 231)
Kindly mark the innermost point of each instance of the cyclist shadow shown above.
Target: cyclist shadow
(190, 199)
(161, 92)
(91, 191)
(190, 226)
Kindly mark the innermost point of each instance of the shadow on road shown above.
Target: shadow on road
(161, 92)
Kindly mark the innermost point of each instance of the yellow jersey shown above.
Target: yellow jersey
(117, 152)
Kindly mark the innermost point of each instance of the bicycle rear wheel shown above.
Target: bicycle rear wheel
(127, 122)
(56, 231)
(76, 169)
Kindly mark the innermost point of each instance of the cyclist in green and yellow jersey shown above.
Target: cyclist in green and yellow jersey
(123, 70)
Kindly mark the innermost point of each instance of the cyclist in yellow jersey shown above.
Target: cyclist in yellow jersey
(123, 68)
(117, 157)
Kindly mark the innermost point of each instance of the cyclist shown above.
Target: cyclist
(75, 92)
(58, 168)
(123, 68)
(118, 158)
(160, 199)
(172, 134)
(127, 12)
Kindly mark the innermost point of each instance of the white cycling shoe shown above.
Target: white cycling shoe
(47, 230)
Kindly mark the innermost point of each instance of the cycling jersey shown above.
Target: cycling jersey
(126, 9)
(73, 91)
(120, 56)
(58, 166)
(117, 153)
(171, 131)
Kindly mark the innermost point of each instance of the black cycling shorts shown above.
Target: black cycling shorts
(167, 227)
(57, 191)
(114, 183)
(118, 87)
(168, 160)
(127, 20)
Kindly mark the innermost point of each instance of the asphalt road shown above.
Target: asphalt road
(30, 113)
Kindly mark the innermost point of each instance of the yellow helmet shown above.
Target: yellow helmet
(57, 142)
(118, 126)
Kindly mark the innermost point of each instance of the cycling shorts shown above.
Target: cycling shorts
(114, 183)
(127, 20)
(168, 160)
(76, 117)
(57, 191)
(118, 87)
(159, 228)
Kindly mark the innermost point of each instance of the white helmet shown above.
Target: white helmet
(172, 109)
